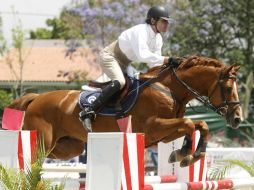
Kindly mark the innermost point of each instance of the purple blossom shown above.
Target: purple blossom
(143, 8)
(205, 16)
(107, 21)
(203, 32)
(217, 9)
(207, 24)
(175, 47)
(131, 2)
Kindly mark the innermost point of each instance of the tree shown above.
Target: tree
(105, 20)
(18, 56)
(18, 39)
(5, 99)
(221, 29)
(3, 45)
(68, 26)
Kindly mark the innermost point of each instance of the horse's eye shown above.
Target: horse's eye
(229, 89)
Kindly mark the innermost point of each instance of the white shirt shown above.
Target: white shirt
(141, 44)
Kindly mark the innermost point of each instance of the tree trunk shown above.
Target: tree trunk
(247, 97)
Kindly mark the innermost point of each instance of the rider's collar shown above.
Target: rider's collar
(152, 34)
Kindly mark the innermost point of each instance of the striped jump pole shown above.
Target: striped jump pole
(160, 179)
(207, 185)
(148, 180)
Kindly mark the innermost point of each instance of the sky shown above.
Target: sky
(30, 13)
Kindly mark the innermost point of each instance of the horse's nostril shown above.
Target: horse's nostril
(237, 120)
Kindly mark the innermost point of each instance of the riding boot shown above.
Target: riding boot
(88, 114)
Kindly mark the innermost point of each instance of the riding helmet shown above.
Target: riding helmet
(158, 12)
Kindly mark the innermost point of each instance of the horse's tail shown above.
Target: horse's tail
(23, 102)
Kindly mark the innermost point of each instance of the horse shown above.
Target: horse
(158, 111)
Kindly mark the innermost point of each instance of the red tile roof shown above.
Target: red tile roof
(49, 63)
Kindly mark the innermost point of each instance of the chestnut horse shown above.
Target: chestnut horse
(158, 112)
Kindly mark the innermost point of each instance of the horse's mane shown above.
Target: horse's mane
(194, 61)
(186, 63)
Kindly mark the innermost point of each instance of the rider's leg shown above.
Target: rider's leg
(112, 69)
(88, 114)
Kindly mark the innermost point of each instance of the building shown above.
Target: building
(48, 65)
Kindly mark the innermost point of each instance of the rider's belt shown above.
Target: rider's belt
(118, 54)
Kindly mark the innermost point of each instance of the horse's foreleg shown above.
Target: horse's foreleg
(168, 130)
(201, 147)
(178, 128)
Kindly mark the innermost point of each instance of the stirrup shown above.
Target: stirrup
(87, 113)
(86, 117)
(87, 124)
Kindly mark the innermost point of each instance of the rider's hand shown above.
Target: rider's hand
(173, 62)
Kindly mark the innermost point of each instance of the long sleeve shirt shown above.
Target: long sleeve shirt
(141, 44)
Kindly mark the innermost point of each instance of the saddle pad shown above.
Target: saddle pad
(87, 97)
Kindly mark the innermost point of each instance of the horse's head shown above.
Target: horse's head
(224, 96)
(212, 78)
(201, 76)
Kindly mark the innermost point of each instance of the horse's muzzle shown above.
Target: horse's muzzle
(235, 118)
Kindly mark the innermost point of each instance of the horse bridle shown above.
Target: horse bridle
(222, 109)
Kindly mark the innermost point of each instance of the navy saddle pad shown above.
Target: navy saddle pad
(88, 96)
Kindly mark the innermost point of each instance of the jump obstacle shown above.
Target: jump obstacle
(127, 180)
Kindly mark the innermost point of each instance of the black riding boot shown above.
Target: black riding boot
(88, 114)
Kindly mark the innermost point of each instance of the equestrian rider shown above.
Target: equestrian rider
(140, 43)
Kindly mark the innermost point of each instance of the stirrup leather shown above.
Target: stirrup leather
(87, 113)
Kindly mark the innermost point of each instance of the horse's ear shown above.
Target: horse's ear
(236, 67)
(232, 69)
(228, 69)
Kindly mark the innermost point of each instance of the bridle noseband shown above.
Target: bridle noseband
(222, 109)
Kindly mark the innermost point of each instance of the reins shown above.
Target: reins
(200, 98)
(149, 81)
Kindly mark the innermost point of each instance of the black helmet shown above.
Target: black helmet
(158, 12)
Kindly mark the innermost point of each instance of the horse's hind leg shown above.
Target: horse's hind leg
(43, 128)
(67, 148)
(201, 147)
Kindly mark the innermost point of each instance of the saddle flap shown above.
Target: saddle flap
(123, 99)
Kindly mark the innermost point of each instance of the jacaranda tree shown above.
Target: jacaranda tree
(105, 20)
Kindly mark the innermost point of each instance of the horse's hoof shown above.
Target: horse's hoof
(174, 156)
(186, 161)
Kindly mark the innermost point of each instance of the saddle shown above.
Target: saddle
(120, 103)
(119, 96)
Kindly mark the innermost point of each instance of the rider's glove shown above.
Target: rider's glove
(173, 62)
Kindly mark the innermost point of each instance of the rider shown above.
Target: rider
(140, 43)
